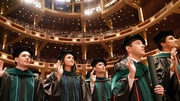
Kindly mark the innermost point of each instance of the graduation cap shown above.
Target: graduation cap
(36, 71)
(161, 35)
(96, 61)
(129, 39)
(20, 49)
(65, 52)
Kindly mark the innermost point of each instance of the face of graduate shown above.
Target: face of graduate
(137, 48)
(170, 42)
(100, 67)
(23, 60)
(69, 60)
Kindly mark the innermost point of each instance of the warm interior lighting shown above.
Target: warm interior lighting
(47, 75)
(37, 34)
(92, 39)
(36, 3)
(110, 3)
(74, 40)
(117, 34)
(91, 10)
(4, 56)
(56, 38)
(36, 63)
(63, 0)
(152, 18)
(3, 47)
(55, 65)
(8, 22)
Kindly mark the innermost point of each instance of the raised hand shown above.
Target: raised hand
(131, 67)
(59, 70)
(2, 71)
(174, 61)
(92, 77)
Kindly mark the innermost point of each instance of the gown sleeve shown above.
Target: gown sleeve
(120, 87)
(86, 93)
(170, 84)
(5, 81)
(52, 87)
(162, 67)
(38, 90)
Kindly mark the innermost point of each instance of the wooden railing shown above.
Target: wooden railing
(167, 10)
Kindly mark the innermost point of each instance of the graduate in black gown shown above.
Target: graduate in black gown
(99, 84)
(131, 80)
(19, 83)
(65, 84)
(167, 64)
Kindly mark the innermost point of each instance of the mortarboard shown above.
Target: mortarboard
(161, 35)
(20, 49)
(129, 39)
(65, 52)
(96, 61)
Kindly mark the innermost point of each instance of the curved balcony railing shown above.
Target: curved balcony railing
(167, 10)
(44, 65)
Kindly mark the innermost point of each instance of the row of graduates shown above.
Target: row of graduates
(131, 80)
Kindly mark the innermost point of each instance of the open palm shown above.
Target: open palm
(2, 71)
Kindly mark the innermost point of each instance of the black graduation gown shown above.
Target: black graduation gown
(5, 87)
(102, 89)
(171, 85)
(55, 90)
(141, 88)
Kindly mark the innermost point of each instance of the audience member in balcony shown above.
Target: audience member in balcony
(167, 64)
(65, 84)
(130, 81)
(69, 33)
(19, 84)
(100, 85)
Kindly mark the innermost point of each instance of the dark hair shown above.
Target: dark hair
(87, 75)
(73, 69)
(125, 52)
(163, 39)
(15, 61)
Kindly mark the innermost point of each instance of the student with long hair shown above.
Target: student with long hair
(65, 84)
